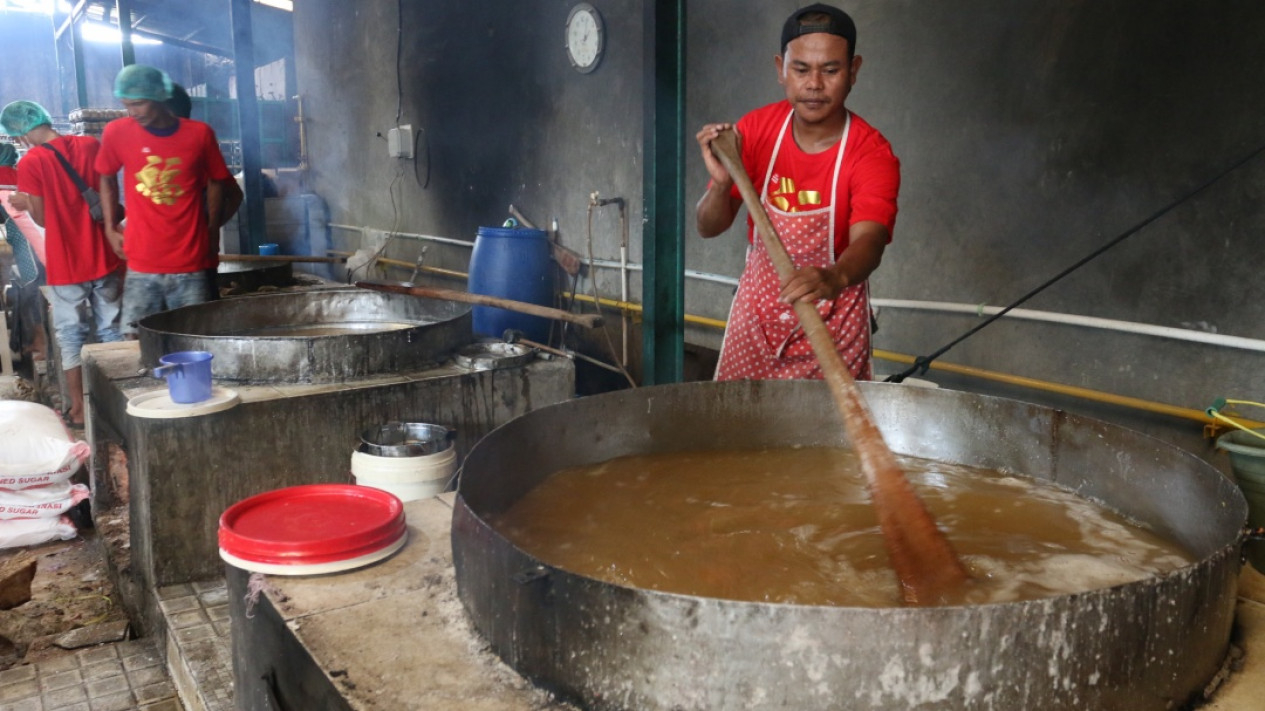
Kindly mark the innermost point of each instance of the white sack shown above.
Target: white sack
(21, 532)
(35, 447)
(41, 501)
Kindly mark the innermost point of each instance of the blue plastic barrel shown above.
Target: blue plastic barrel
(511, 263)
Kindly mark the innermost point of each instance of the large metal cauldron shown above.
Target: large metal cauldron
(310, 336)
(238, 278)
(1146, 645)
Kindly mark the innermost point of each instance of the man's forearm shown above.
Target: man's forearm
(715, 211)
(867, 242)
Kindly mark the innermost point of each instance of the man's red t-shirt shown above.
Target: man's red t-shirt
(8, 176)
(869, 178)
(75, 247)
(164, 179)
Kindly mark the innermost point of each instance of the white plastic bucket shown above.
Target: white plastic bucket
(410, 478)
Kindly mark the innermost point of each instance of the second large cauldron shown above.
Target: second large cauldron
(310, 336)
(1151, 644)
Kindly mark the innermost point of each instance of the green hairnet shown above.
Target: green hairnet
(137, 81)
(8, 155)
(22, 117)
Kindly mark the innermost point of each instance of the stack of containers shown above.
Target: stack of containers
(39, 459)
(91, 122)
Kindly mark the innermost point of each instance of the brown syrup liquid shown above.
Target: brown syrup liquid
(796, 526)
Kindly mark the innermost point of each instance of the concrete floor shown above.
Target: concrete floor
(1244, 690)
(110, 677)
(130, 675)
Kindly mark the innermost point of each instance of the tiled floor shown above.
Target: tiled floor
(130, 675)
(199, 651)
(110, 677)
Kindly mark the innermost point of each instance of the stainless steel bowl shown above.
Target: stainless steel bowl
(406, 439)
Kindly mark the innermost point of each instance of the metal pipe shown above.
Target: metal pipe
(604, 263)
(298, 118)
(248, 123)
(71, 18)
(409, 235)
(406, 265)
(1180, 334)
(663, 190)
(81, 81)
(513, 337)
(123, 12)
(595, 201)
(1058, 388)
(625, 306)
(1031, 383)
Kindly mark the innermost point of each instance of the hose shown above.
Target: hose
(1220, 403)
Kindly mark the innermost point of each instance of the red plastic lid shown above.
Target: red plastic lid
(312, 524)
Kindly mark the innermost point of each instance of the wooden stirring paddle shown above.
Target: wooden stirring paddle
(925, 563)
(465, 297)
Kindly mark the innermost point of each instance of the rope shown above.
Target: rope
(922, 363)
(256, 585)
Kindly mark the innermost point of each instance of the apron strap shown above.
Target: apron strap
(834, 180)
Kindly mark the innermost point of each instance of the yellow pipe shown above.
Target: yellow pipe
(635, 308)
(1072, 390)
(1031, 383)
(624, 306)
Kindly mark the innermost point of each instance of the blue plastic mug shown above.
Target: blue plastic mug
(269, 248)
(188, 375)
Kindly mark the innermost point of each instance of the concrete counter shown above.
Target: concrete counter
(184, 472)
(391, 636)
(395, 636)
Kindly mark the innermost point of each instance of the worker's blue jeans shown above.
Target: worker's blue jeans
(85, 310)
(146, 294)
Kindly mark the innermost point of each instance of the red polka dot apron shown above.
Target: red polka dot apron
(764, 340)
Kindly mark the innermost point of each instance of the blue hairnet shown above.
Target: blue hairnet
(138, 81)
(8, 155)
(21, 117)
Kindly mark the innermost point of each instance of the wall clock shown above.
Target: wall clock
(585, 37)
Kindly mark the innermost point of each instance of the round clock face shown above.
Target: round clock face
(584, 37)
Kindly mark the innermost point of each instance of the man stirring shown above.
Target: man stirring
(829, 184)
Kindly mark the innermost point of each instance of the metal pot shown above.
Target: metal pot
(1152, 644)
(310, 336)
(406, 439)
(245, 277)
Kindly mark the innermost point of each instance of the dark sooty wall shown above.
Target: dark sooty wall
(1030, 135)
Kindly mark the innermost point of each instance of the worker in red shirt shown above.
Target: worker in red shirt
(81, 266)
(176, 183)
(828, 180)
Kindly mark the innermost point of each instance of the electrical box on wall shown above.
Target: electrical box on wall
(400, 141)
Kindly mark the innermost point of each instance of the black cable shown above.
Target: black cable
(921, 363)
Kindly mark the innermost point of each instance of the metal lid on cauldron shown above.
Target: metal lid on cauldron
(312, 529)
(492, 355)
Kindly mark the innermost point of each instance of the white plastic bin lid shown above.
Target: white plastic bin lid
(158, 404)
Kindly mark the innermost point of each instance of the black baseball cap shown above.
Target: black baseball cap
(837, 23)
